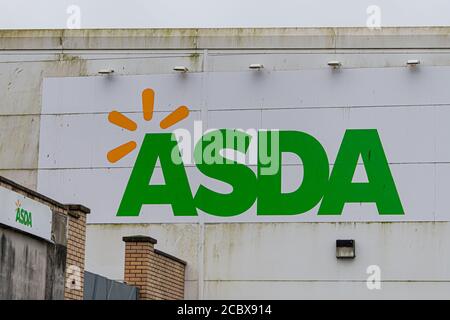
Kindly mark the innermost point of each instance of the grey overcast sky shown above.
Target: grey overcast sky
(16, 14)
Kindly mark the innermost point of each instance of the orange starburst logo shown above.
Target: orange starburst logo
(148, 102)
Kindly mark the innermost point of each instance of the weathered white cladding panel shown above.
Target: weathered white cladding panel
(409, 109)
(251, 90)
(83, 140)
(244, 255)
(328, 88)
(302, 251)
(19, 137)
(307, 59)
(103, 94)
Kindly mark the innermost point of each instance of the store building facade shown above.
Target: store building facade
(370, 108)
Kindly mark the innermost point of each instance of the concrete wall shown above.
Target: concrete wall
(277, 260)
(30, 268)
(22, 266)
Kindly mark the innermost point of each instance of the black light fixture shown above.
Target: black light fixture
(345, 249)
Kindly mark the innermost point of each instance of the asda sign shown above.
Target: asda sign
(275, 146)
(25, 214)
(331, 189)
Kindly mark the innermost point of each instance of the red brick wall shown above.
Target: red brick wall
(168, 277)
(158, 276)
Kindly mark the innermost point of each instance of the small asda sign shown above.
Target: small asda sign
(329, 188)
(25, 214)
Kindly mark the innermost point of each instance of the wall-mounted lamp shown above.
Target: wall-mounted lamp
(256, 66)
(345, 249)
(180, 69)
(106, 71)
(334, 64)
(413, 62)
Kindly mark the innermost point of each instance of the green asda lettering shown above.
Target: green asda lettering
(24, 217)
(332, 190)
